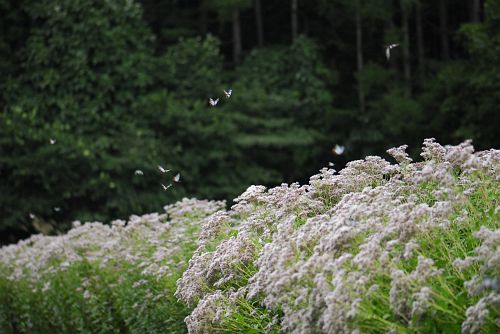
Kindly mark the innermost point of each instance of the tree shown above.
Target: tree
(294, 19)
(443, 29)
(231, 9)
(204, 17)
(420, 39)
(13, 33)
(363, 10)
(359, 54)
(283, 111)
(405, 9)
(81, 67)
(476, 10)
(237, 47)
(258, 22)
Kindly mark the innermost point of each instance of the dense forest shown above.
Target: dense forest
(93, 91)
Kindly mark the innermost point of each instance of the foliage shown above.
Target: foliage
(251, 137)
(282, 101)
(123, 85)
(80, 69)
(192, 67)
(109, 279)
(409, 248)
(467, 91)
(378, 247)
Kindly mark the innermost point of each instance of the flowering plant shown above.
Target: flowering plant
(411, 247)
(377, 247)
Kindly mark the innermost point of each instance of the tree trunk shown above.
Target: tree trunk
(420, 40)
(295, 21)
(476, 11)
(406, 47)
(359, 56)
(443, 29)
(390, 27)
(204, 17)
(237, 48)
(258, 19)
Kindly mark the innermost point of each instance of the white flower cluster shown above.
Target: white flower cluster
(149, 243)
(323, 255)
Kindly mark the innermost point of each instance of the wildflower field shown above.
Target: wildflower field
(411, 247)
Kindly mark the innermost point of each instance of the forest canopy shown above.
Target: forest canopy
(92, 91)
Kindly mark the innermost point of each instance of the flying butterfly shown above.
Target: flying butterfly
(213, 102)
(177, 177)
(163, 170)
(388, 49)
(228, 93)
(165, 187)
(338, 149)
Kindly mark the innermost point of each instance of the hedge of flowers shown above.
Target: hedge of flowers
(412, 247)
(117, 278)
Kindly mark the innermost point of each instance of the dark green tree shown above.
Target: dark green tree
(465, 94)
(194, 137)
(81, 68)
(231, 10)
(282, 106)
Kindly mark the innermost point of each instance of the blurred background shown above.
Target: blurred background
(93, 90)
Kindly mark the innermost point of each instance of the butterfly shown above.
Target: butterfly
(138, 172)
(338, 149)
(388, 49)
(57, 209)
(177, 177)
(52, 141)
(32, 216)
(331, 164)
(163, 170)
(166, 187)
(213, 102)
(228, 93)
